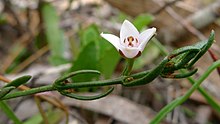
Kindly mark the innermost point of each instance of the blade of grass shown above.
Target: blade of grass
(53, 33)
(5, 108)
(208, 97)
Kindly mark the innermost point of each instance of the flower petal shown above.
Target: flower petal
(128, 29)
(114, 40)
(145, 36)
(130, 52)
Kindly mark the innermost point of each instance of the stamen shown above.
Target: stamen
(130, 39)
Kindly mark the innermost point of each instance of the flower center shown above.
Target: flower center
(131, 41)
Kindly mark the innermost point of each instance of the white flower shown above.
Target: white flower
(131, 43)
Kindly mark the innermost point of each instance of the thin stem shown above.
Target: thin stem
(54, 87)
(29, 92)
(128, 67)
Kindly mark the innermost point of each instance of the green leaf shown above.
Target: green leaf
(36, 119)
(8, 111)
(109, 58)
(80, 97)
(90, 34)
(14, 84)
(108, 61)
(87, 59)
(54, 117)
(106, 55)
(5, 91)
(142, 21)
(19, 81)
(100, 54)
(53, 33)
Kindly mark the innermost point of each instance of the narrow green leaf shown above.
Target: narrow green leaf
(5, 108)
(19, 81)
(214, 104)
(72, 74)
(53, 33)
(5, 91)
(79, 97)
(183, 98)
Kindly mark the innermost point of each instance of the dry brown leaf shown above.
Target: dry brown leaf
(117, 107)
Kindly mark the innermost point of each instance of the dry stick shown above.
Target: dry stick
(165, 6)
(31, 59)
(40, 108)
(184, 23)
(56, 102)
(53, 101)
(9, 60)
(208, 15)
(24, 40)
(64, 108)
(9, 7)
(191, 29)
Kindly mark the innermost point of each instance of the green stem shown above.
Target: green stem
(90, 84)
(67, 86)
(182, 99)
(128, 67)
(70, 85)
(29, 92)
